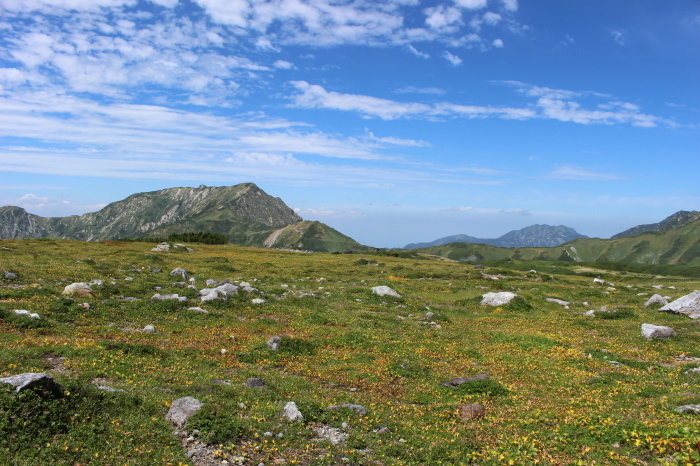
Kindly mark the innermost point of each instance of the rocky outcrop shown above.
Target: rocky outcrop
(688, 305)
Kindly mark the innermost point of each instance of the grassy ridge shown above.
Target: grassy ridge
(554, 396)
(679, 246)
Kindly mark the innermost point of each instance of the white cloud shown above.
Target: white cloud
(39, 205)
(396, 141)
(510, 5)
(471, 4)
(618, 36)
(442, 17)
(454, 59)
(578, 173)
(498, 43)
(416, 52)
(419, 90)
(462, 209)
(491, 18)
(518, 211)
(283, 65)
(323, 212)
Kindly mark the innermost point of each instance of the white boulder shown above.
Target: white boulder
(291, 412)
(688, 305)
(656, 299)
(497, 299)
(650, 331)
(385, 291)
(80, 288)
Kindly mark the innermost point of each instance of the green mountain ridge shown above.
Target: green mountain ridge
(675, 246)
(677, 220)
(244, 213)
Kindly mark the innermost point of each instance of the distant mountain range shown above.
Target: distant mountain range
(243, 213)
(677, 220)
(532, 236)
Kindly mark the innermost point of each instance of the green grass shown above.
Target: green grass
(563, 388)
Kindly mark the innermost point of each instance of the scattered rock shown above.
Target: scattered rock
(497, 299)
(688, 305)
(81, 288)
(539, 279)
(96, 282)
(179, 284)
(85, 306)
(156, 269)
(274, 343)
(385, 291)
(168, 297)
(258, 301)
(471, 411)
(381, 430)
(34, 380)
(211, 283)
(333, 434)
(162, 247)
(590, 313)
(129, 299)
(7, 275)
(255, 382)
(198, 309)
(689, 408)
(650, 331)
(179, 271)
(428, 316)
(658, 287)
(107, 388)
(149, 329)
(598, 281)
(695, 370)
(22, 312)
(182, 409)
(291, 412)
(359, 409)
(479, 267)
(656, 299)
(220, 292)
(558, 301)
(460, 380)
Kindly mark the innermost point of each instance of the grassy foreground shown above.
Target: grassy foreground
(564, 389)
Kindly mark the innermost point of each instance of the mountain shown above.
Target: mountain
(680, 245)
(677, 220)
(244, 213)
(532, 236)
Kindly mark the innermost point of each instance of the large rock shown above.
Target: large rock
(168, 297)
(650, 331)
(656, 299)
(688, 305)
(385, 291)
(689, 409)
(182, 409)
(22, 312)
(291, 412)
(497, 299)
(7, 275)
(81, 288)
(220, 292)
(34, 380)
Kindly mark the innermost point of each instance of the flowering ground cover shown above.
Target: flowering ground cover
(563, 388)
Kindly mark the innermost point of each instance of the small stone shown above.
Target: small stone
(459, 380)
(33, 380)
(598, 281)
(274, 343)
(149, 329)
(7, 275)
(85, 306)
(656, 299)
(497, 299)
(179, 271)
(258, 301)
(470, 411)
(211, 283)
(198, 309)
(689, 408)
(590, 313)
(168, 297)
(156, 269)
(22, 312)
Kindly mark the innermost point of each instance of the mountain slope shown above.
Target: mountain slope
(677, 220)
(677, 246)
(244, 213)
(532, 236)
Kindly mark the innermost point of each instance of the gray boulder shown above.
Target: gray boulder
(220, 292)
(162, 247)
(22, 312)
(7, 275)
(211, 283)
(689, 408)
(650, 331)
(385, 291)
(291, 412)
(168, 297)
(274, 343)
(34, 380)
(359, 409)
(497, 299)
(179, 271)
(561, 302)
(688, 305)
(255, 382)
(656, 299)
(80, 288)
(182, 409)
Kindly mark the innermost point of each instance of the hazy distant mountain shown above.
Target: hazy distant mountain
(532, 236)
(244, 213)
(677, 220)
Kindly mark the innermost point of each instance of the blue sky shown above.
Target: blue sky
(393, 121)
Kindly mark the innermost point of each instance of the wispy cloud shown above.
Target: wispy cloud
(577, 173)
(454, 59)
(419, 90)
(42, 204)
(556, 104)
